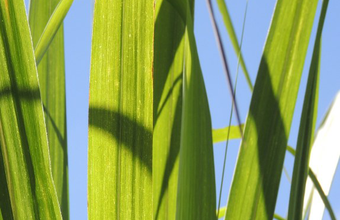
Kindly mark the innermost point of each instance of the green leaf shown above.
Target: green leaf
(221, 134)
(307, 127)
(196, 196)
(168, 68)
(232, 35)
(55, 21)
(23, 138)
(120, 114)
(221, 212)
(51, 71)
(257, 176)
(322, 194)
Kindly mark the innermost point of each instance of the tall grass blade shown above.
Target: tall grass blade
(168, 69)
(51, 28)
(196, 197)
(233, 38)
(257, 176)
(322, 194)
(120, 114)
(307, 127)
(51, 72)
(324, 160)
(23, 139)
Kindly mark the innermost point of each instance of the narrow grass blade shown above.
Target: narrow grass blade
(51, 72)
(233, 38)
(258, 171)
(120, 114)
(307, 127)
(225, 64)
(322, 194)
(196, 196)
(278, 217)
(54, 22)
(324, 159)
(168, 69)
(23, 138)
(221, 134)
(313, 179)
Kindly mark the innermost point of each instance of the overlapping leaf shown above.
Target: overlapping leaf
(257, 176)
(24, 145)
(307, 127)
(51, 71)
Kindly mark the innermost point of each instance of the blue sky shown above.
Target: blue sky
(78, 24)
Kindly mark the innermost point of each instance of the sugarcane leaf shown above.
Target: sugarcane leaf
(51, 28)
(23, 138)
(258, 171)
(307, 127)
(168, 68)
(233, 38)
(196, 196)
(121, 111)
(51, 71)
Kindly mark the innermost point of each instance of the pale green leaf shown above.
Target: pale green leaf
(221, 134)
(258, 171)
(51, 72)
(120, 114)
(23, 138)
(51, 28)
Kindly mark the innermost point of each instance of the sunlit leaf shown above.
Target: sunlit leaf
(307, 127)
(120, 114)
(51, 72)
(257, 176)
(23, 138)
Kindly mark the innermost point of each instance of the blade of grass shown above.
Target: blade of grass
(51, 28)
(278, 217)
(51, 72)
(322, 194)
(258, 171)
(225, 63)
(196, 196)
(168, 69)
(23, 138)
(307, 127)
(220, 135)
(120, 113)
(233, 38)
(324, 159)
